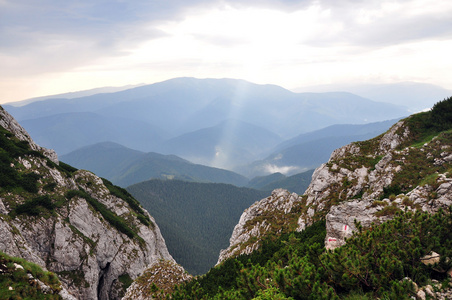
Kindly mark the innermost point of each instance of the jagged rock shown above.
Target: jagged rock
(421, 294)
(9, 123)
(88, 239)
(160, 277)
(258, 219)
(431, 258)
(340, 221)
(350, 178)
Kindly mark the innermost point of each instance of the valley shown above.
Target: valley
(241, 204)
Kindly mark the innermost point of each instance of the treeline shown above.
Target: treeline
(374, 263)
(196, 219)
(423, 126)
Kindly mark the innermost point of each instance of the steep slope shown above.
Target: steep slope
(92, 234)
(196, 219)
(382, 206)
(407, 168)
(124, 166)
(21, 278)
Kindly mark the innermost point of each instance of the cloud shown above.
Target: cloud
(286, 170)
(383, 23)
(250, 39)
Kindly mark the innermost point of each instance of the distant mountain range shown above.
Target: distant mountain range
(415, 96)
(67, 131)
(226, 145)
(297, 183)
(219, 122)
(309, 150)
(124, 166)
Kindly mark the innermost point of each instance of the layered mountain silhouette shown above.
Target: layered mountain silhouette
(416, 96)
(124, 166)
(226, 145)
(194, 118)
(309, 150)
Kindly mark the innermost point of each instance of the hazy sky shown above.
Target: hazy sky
(56, 46)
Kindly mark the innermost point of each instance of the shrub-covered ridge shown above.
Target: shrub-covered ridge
(380, 262)
(92, 234)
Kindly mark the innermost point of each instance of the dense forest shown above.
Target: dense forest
(383, 261)
(196, 219)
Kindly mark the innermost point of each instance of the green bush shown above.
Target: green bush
(35, 206)
(126, 196)
(372, 264)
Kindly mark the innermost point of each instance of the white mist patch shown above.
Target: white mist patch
(278, 157)
(280, 169)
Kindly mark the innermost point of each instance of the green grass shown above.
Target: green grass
(15, 284)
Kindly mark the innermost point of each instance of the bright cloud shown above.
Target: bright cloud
(51, 48)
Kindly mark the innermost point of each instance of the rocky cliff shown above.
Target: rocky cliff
(406, 169)
(93, 235)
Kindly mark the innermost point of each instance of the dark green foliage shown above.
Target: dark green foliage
(29, 182)
(230, 275)
(68, 169)
(377, 259)
(297, 183)
(423, 126)
(441, 115)
(373, 263)
(50, 187)
(35, 206)
(126, 280)
(116, 221)
(126, 196)
(10, 149)
(391, 190)
(196, 219)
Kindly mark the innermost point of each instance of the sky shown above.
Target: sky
(56, 46)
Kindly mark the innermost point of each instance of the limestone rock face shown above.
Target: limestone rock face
(351, 185)
(87, 231)
(365, 182)
(163, 276)
(262, 217)
(9, 123)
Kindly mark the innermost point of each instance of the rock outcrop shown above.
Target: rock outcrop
(87, 231)
(366, 182)
(157, 281)
(273, 214)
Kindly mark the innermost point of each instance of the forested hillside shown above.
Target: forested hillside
(196, 219)
(401, 250)
(372, 264)
(296, 183)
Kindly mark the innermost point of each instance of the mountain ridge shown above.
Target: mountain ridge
(92, 234)
(183, 105)
(382, 208)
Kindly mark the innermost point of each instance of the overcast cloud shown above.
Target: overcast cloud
(51, 46)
